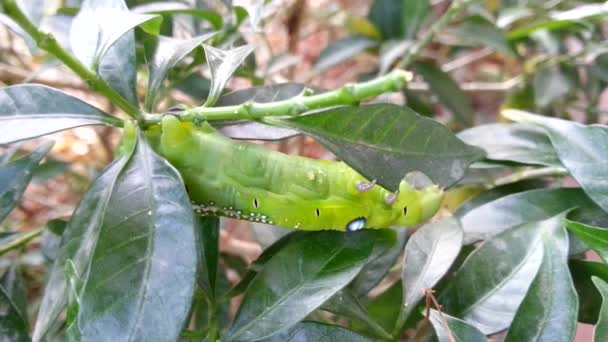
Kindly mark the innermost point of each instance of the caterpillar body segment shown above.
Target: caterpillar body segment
(247, 181)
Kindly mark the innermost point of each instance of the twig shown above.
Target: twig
(350, 94)
(48, 43)
(22, 240)
(437, 27)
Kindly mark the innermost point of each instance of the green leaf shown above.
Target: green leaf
(457, 330)
(509, 211)
(319, 332)
(580, 148)
(386, 251)
(13, 326)
(298, 279)
(479, 31)
(496, 276)
(29, 111)
(521, 143)
(447, 91)
(590, 299)
(551, 84)
(342, 49)
(208, 234)
(13, 26)
(601, 327)
(143, 265)
(549, 310)
(16, 175)
(12, 284)
(168, 53)
(385, 142)
(176, 8)
(117, 67)
(428, 256)
(386, 307)
(594, 237)
(399, 19)
(223, 63)
(78, 239)
(91, 37)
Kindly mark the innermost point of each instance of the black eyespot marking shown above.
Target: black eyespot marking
(404, 210)
(356, 224)
(255, 203)
(318, 212)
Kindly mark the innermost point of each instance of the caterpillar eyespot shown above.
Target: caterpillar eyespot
(233, 178)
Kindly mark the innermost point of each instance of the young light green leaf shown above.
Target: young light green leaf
(580, 148)
(341, 50)
(169, 52)
(13, 326)
(28, 111)
(594, 237)
(16, 175)
(447, 90)
(298, 279)
(452, 329)
(316, 331)
(496, 276)
(148, 231)
(91, 37)
(428, 255)
(386, 141)
(550, 308)
(222, 64)
(77, 244)
(521, 143)
(601, 327)
(12, 283)
(489, 219)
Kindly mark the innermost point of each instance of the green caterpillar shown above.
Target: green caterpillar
(247, 181)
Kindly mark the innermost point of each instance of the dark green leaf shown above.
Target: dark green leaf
(29, 111)
(412, 15)
(496, 276)
(479, 31)
(141, 276)
(12, 284)
(318, 332)
(457, 330)
(527, 144)
(385, 142)
(118, 69)
(398, 19)
(51, 239)
(428, 256)
(386, 251)
(16, 175)
(386, 307)
(208, 234)
(342, 49)
(90, 38)
(549, 310)
(168, 53)
(580, 148)
(80, 235)
(223, 63)
(176, 8)
(594, 237)
(13, 326)
(195, 86)
(590, 299)
(298, 279)
(601, 327)
(509, 211)
(551, 84)
(447, 91)
(49, 170)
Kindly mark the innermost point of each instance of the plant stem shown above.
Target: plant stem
(550, 171)
(350, 94)
(428, 36)
(20, 241)
(47, 42)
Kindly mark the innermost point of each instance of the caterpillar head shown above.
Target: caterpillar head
(418, 201)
